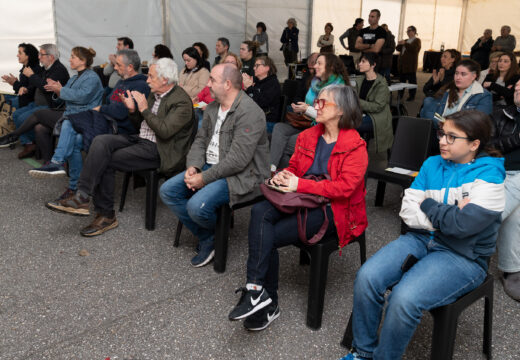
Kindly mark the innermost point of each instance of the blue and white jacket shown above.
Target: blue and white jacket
(430, 204)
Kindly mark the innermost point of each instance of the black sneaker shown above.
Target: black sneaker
(250, 302)
(8, 140)
(263, 318)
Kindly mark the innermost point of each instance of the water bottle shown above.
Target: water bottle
(442, 47)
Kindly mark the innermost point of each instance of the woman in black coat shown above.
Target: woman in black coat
(264, 89)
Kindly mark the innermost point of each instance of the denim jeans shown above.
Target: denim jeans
(12, 100)
(197, 210)
(68, 149)
(508, 242)
(270, 229)
(439, 277)
(20, 115)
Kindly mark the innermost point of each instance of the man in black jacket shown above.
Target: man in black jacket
(53, 69)
(507, 140)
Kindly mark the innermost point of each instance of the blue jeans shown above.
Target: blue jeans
(20, 115)
(197, 210)
(12, 100)
(68, 149)
(270, 229)
(508, 244)
(439, 277)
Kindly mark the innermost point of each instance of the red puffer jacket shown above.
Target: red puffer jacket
(347, 166)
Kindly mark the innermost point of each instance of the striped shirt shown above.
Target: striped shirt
(145, 131)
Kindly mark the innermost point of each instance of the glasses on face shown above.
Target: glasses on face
(450, 139)
(319, 104)
(258, 65)
(44, 54)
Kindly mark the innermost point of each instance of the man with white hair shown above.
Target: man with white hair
(166, 124)
(506, 41)
(52, 69)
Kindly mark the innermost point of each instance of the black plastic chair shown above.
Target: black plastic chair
(411, 147)
(317, 256)
(151, 178)
(445, 320)
(224, 223)
(289, 89)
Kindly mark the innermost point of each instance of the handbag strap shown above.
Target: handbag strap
(302, 227)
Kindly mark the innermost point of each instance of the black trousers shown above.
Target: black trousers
(412, 79)
(107, 154)
(42, 121)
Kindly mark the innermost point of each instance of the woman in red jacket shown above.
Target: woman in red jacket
(332, 147)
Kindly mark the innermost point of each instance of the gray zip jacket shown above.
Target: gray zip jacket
(243, 148)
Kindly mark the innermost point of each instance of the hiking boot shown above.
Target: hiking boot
(52, 205)
(100, 225)
(250, 302)
(28, 151)
(205, 253)
(511, 282)
(48, 171)
(262, 318)
(74, 204)
(8, 140)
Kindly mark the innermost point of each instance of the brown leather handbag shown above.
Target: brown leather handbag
(294, 202)
(299, 121)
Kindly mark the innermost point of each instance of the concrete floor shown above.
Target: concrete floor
(128, 294)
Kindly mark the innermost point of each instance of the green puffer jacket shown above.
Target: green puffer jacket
(173, 126)
(243, 148)
(377, 107)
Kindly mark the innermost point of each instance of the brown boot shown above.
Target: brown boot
(28, 151)
(99, 225)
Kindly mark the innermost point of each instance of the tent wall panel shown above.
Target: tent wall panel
(102, 22)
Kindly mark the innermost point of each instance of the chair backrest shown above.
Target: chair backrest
(348, 61)
(283, 107)
(411, 143)
(289, 89)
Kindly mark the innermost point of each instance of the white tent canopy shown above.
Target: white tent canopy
(179, 23)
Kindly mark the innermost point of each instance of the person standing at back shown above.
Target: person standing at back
(408, 58)
(109, 70)
(372, 38)
(351, 35)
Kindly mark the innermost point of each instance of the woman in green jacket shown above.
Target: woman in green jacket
(374, 97)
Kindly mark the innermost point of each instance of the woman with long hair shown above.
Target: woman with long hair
(195, 76)
(502, 82)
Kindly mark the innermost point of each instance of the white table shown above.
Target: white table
(399, 87)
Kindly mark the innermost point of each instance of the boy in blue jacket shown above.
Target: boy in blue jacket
(453, 210)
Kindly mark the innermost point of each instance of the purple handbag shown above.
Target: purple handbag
(294, 202)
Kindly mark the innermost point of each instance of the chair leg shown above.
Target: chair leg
(152, 184)
(124, 190)
(221, 238)
(317, 283)
(348, 337)
(444, 333)
(380, 193)
(177, 234)
(304, 257)
(361, 239)
(488, 322)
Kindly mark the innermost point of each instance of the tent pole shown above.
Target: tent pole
(55, 24)
(165, 33)
(462, 24)
(400, 34)
(309, 31)
(245, 24)
(434, 19)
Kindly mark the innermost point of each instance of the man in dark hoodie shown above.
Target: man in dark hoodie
(78, 130)
(52, 69)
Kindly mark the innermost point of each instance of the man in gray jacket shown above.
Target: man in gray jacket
(226, 163)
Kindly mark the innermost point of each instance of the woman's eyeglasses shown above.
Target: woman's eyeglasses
(450, 139)
(319, 104)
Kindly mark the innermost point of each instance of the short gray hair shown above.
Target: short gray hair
(130, 57)
(167, 69)
(51, 49)
(347, 101)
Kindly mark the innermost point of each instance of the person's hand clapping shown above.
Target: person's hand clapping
(27, 71)
(10, 79)
(22, 91)
(140, 99)
(299, 107)
(247, 80)
(128, 100)
(54, 86)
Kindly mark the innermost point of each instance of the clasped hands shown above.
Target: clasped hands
(53, 85)
(193, 179)
(285, 179)
(128, 100)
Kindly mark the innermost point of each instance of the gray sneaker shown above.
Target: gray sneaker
(511, 283)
